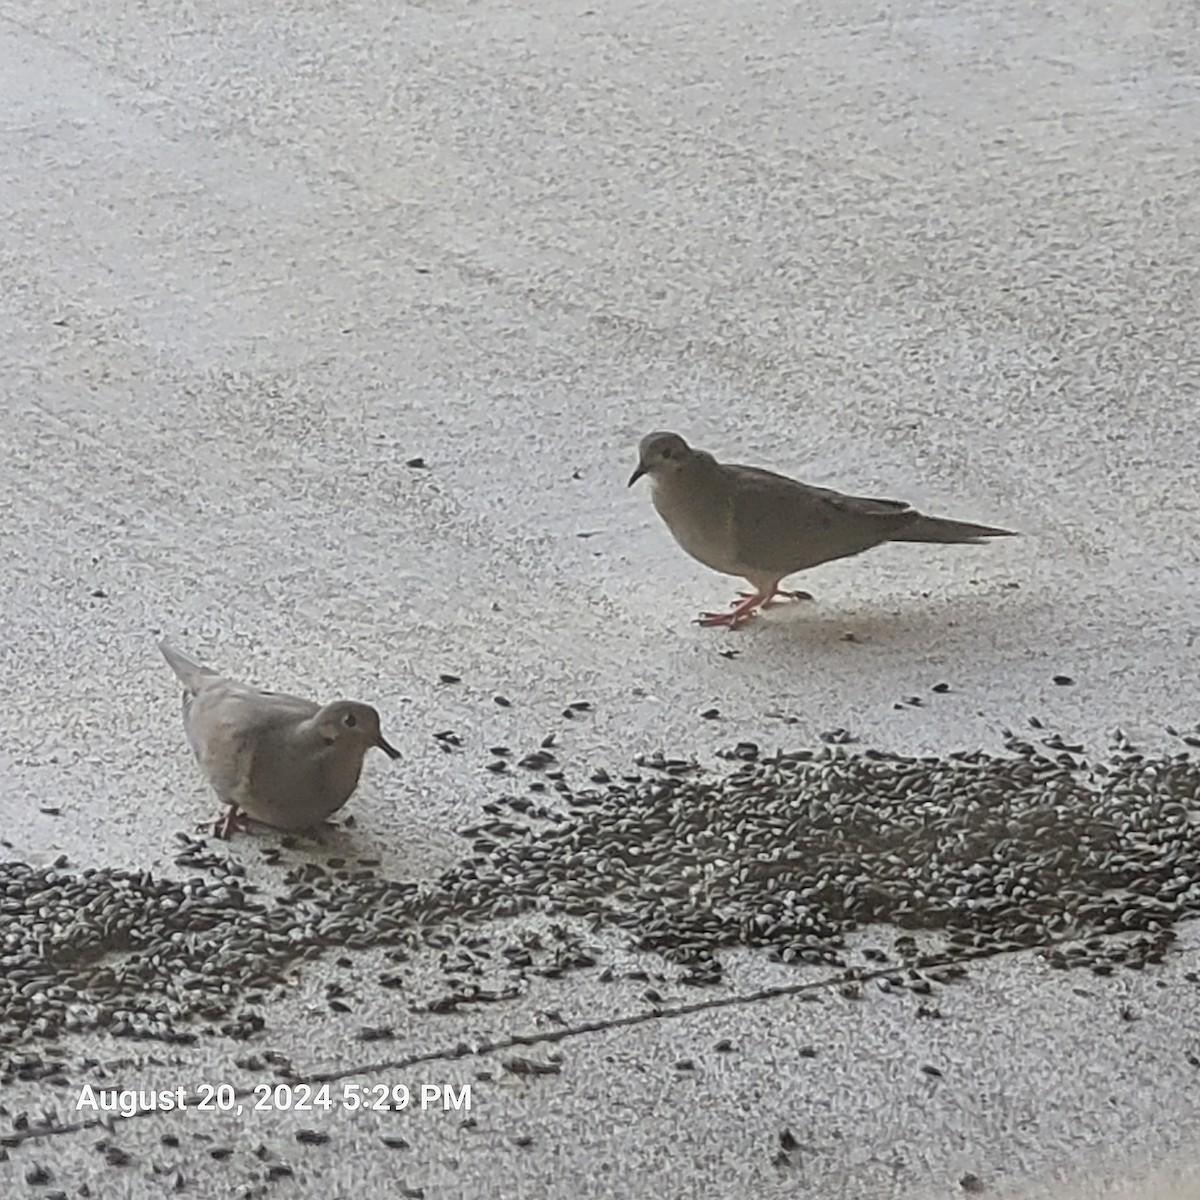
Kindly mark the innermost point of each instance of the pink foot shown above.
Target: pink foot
(226, 826)
(736, 616)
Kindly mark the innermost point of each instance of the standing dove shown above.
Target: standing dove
(281, 760)
(762, 526)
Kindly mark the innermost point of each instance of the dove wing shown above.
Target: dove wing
(780, 524)
(232, 727)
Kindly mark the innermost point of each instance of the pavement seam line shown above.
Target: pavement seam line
(551, 1037)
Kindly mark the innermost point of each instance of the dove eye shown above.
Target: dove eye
(351, 720)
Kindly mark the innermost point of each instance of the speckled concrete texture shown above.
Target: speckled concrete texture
(257, 258)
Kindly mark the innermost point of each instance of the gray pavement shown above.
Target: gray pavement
(255, 258)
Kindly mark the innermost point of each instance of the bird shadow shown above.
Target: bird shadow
(966, 625)
(329, 835)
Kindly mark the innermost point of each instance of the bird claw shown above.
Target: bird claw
(225, 826)
(735, 617)
(709, 619)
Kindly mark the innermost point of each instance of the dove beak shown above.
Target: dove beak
(387, 747)
(641, 470)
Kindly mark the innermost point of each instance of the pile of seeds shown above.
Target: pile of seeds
(794, 850)
(139, 955)
(787, 852)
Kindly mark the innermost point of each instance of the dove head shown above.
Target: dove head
(661, 455)
(349, 723)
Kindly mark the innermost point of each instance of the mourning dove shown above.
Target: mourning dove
(762, 526)
(284, 761)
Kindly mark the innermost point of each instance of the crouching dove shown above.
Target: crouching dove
(751, 522)
(281, 760)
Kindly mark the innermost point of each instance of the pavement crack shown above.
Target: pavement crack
(463, 1050)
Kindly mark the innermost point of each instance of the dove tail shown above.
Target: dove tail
(189, 670)
(939, 529)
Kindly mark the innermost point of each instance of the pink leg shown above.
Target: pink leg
(736, 616)
(797, 595)
(226, 826)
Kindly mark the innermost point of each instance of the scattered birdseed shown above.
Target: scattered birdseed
(518, 1065)
(838, 737)
(379, 1033)
(794, 851)
(1090, 860)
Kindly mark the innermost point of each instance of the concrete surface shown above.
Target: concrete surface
(255, 257)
